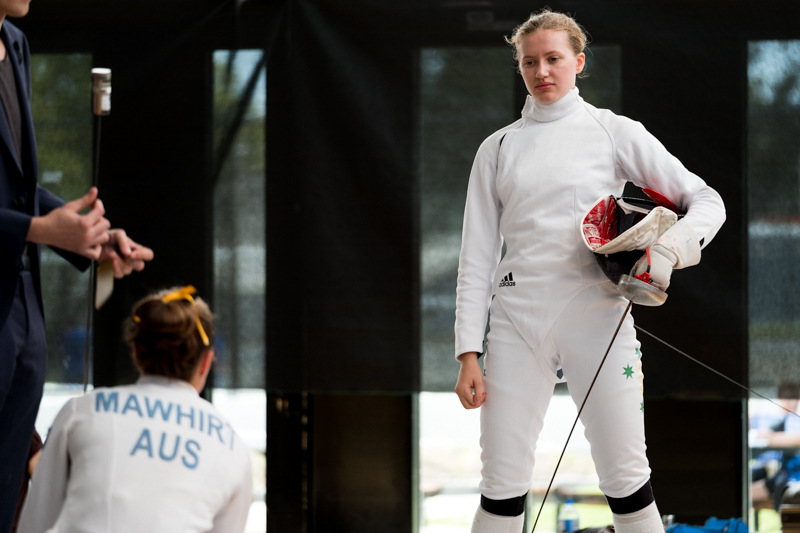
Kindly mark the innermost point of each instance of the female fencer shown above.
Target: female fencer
(550, 306)
(153, 456)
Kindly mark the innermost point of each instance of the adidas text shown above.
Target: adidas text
(508, 281)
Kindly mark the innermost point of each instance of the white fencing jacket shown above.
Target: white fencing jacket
(531, 183)
(152, 457)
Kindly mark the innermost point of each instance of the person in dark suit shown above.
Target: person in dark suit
(29, 217)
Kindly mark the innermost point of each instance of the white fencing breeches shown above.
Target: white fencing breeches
(519, 382)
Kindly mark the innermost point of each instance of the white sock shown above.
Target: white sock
(646, 520)
(491, 523)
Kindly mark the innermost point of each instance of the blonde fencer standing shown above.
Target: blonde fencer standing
(550, 307)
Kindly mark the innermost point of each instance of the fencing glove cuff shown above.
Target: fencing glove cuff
(678, 247)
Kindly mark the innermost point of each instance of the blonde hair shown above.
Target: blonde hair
(549, 20)
(165, 336)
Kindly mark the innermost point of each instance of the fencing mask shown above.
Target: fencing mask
(620, 232)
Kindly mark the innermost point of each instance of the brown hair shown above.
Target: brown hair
(165, 336)
(549, 20)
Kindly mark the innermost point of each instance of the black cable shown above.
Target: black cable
(608, 350)
(717, 372)
(668, 345)
(92, 283)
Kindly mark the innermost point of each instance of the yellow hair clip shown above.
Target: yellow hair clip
(185, 293)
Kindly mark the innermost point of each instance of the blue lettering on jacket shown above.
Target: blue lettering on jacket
(190, 458)
(189, 445)
(158, 408)
(174, 449)
(215, 423)
(151, 411)
(232, 433)
(106, 402)
(181, 414)
(132, 404)
(144, 443)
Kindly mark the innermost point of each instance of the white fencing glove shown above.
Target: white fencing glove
(678, 247)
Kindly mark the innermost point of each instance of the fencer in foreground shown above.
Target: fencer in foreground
(152, 456)
(535, 185)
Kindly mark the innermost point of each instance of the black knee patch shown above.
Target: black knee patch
(635, 502)
(510, 507)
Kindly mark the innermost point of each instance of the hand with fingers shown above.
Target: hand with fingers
(68, 229)
(125, 254)
(470, 378)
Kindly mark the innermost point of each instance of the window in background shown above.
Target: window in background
(773, 182)
(240, 255)
(458, 110)
(61, 90)
(602, 85)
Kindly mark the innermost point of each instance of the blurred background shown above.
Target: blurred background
(304, 164)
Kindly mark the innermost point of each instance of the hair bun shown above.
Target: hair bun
(169, 332)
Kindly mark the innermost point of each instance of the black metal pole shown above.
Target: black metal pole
(101, 105)
(93, 265)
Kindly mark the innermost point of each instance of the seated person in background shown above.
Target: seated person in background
(775, 471)
(153, 456)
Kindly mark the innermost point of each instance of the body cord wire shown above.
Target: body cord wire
(668, 345)
(608, 350)
(717, 372)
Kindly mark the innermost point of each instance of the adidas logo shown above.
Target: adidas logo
(508, 281)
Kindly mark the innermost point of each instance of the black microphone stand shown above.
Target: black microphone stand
(101, 106)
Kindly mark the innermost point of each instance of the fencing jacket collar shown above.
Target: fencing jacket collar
(164, 381)
(549, 112)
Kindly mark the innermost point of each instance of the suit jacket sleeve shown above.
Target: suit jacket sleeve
(47, 202)
(13, 234)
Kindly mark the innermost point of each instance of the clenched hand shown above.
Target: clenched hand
(67, 229)
(470, 378)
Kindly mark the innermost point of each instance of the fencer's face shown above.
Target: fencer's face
(14, 8)
(548, 64)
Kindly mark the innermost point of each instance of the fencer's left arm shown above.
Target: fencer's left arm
(233, 516)
(48, 488)
(643, 160)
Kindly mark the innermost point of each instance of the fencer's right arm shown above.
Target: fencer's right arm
(481, 245)
(48, 488)
(469, 387)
